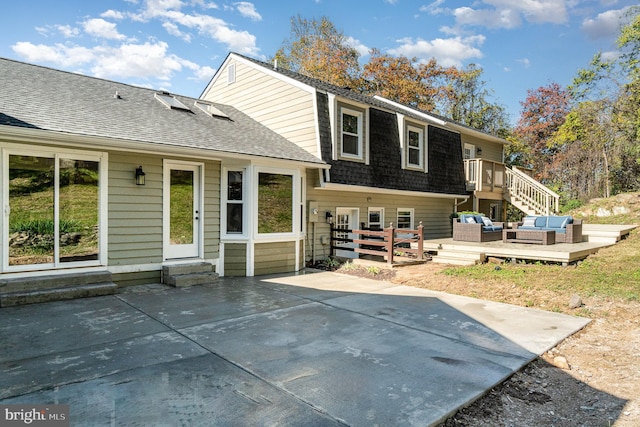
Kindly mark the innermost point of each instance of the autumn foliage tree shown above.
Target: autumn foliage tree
(543, 112)
(405, 80)
(316, 48)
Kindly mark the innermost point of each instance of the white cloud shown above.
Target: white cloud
(433, 8)
(505, 18)
(135, 61)
(248, 10)
(112, 14)
(219, 30)
(610, 55)
(175, 31)
(357, 45)
(58, 54)
(511, 14)
(605, 25)
(448, 52)
(391, 1)
(526, 63)
(98, 27)
(142, 61)
(68, 31)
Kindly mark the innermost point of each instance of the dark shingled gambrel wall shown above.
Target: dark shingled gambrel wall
(446, 172)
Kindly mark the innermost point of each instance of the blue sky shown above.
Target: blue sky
(176, 45)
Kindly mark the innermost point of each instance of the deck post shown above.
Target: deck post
(420, 242)
(389, 238)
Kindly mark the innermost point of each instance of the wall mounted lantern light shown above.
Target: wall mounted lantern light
(328, 217)
(139, 176)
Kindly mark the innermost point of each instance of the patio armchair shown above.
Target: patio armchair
(476, 228)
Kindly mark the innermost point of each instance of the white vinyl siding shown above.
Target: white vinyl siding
(282, 107)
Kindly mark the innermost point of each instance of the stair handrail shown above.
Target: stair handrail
(536, 195)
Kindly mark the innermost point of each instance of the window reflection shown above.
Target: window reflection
(275, 203)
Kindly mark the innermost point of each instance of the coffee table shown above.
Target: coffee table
(537, 237)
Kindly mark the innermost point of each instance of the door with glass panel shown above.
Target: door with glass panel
(346, 219)
(182, 210)
(52, 216)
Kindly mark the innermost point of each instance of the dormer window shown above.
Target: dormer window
(351, 134)
(170, 101)
(415, 147)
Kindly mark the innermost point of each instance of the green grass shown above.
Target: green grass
(613, 272)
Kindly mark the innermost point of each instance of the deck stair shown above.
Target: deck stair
(190, 274)
(38, 289)
(605, 233)
(528, 195)
(458, 257)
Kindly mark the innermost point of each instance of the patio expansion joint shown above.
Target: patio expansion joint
(424, 331)
(231, 362)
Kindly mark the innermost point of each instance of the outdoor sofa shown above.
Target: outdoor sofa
(476, 228)
(568, 230)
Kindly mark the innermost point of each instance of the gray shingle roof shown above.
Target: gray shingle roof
(43, 98)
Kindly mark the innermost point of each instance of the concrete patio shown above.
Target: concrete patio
(311, 349)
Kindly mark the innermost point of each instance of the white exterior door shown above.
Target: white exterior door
(182, 219)
(346, 218)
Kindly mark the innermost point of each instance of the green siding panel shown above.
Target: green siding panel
(277, 257)
(235, 259)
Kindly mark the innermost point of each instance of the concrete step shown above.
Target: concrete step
(57, 294)
(53, 281)
(458, 257)
(188, 268)
(194, 279)
(188, 274)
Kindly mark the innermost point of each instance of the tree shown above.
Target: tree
(543, 112)
(615, 86)
(468, 103)
(317, 49)
(398, 79)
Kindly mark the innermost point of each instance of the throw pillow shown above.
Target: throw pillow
(529, 222)
(487, 221)
(470, 220)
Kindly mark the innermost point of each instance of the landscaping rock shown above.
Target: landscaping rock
(561, 362)
(575, 301)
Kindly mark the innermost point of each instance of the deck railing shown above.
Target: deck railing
(384, 243)
(526, 191)
(517, 187)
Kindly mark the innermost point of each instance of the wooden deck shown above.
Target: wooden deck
(595, 237)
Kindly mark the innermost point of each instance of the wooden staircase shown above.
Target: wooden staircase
(528, 195)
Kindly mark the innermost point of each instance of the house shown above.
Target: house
(218, 187)
(390, 164)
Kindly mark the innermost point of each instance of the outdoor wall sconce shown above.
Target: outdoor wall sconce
(328, 217)
(479, 151)
(139, 176)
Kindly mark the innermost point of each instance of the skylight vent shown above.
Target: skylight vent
(211, 110)
(170, 101)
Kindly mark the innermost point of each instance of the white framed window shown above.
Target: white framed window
(276, 202)
(231, 73)
(351, 134)
(56, 209)
(376, 218)
(415, 147)
(469, 151)
(234, 201)
(405, 218)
